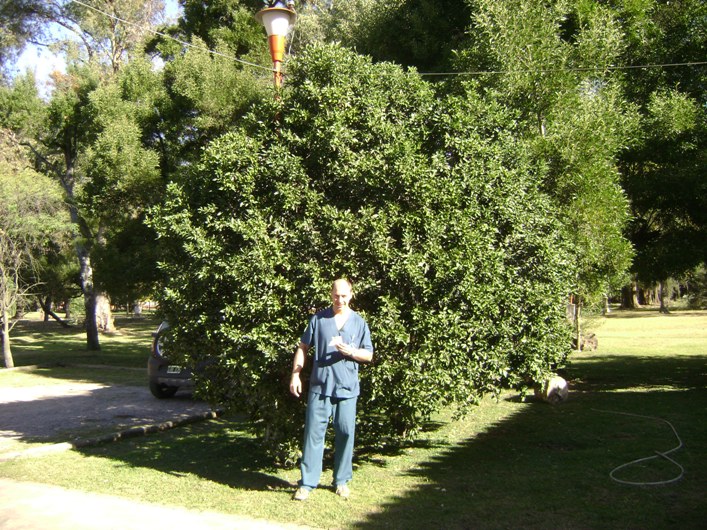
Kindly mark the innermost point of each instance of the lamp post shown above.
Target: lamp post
(277, 17)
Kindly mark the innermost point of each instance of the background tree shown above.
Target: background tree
(70, 128)
(228, 22)
(205, 94)
(552, 62)
(663, 172)
(111, 115)
(430, 207)
(57, 280)
(31, 216)
(121, 179)
(666, 182)
(23, 112)
(21, 109)
(20, 22)
(107, 32)
(94, 149)
(697, 287)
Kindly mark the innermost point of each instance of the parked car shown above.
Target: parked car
(165, 376)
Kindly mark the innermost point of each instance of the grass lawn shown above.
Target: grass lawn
(509, 464)
(48, 344)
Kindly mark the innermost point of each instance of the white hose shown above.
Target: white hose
(658, 454)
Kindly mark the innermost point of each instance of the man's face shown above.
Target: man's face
(340, 296)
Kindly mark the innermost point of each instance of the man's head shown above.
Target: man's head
(341, 294)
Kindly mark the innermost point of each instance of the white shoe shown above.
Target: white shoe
(302, 494)
(343, 491)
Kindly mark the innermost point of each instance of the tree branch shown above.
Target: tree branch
(54, 169)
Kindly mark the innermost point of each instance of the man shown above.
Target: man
(341, 340)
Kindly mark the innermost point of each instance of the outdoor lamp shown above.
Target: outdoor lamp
(277, 18)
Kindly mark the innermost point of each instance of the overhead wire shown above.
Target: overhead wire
(424, 74)
(566, 69)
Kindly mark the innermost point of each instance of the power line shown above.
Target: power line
(555, 70)
(165, 35)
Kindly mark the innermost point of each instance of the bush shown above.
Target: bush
(426, 203)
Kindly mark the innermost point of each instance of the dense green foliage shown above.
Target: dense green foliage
(551, 66)
(419, 33)
(697, 297)
(427, 204)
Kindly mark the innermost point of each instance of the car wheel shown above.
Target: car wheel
(162, 391)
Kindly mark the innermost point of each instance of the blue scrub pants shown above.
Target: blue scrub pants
(319, 409)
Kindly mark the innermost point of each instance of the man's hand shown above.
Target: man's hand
(355, 354)
(295, 385)
(346, 350)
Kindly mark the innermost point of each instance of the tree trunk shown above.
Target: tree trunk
(92, 342)
(6, 350)
(661, 295)
(83, 243)
(577, 323)
(89, 298)
(629, 296)
(650, 295)
(46, 306)
(104, 315)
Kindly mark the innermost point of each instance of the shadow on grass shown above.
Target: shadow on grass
(224, 452)
(550, 469)
(601, 373)
(654, 312)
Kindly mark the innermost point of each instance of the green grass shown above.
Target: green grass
(57, 354)
(47, 343)
(58, 375)
(509, 464)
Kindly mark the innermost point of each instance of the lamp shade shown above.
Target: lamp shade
(277, 20)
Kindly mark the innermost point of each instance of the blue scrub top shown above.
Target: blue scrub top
(334, 375)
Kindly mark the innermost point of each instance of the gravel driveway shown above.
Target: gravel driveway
(82, 413)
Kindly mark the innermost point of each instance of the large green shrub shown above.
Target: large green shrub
(427, 204)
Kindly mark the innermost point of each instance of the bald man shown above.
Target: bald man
(341, 340)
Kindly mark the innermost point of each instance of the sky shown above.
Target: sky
(42, 62)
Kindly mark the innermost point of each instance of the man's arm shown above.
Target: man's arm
(297, 366)
(359, 355)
